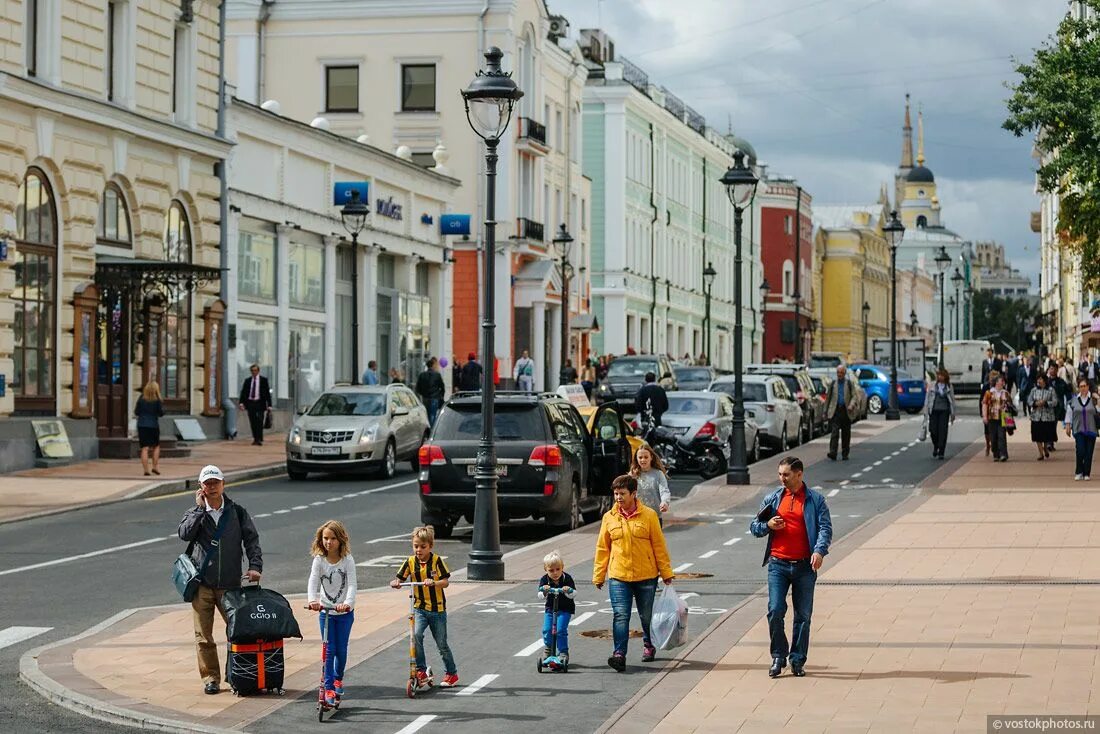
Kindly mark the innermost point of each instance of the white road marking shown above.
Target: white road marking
(15, 635)
(853, 515)
(581, 618)
(688, 595)
(845, 482)
(334, 499)
(262, 514)
(868, 468)
(281, 512)
(318, 502)
(904, 448)
(896, 453)
(353, 494)
(300, 507)
(731, 541)
(857, 475)
(888, 480)
(483, 611)
(727, 521)
(91, 554)
(682, 567)
(480, 683)
(530, 649)
(399, 536)
(833, 493)
(708, 554)
(878, 463)
(517, 611)
(417, 724)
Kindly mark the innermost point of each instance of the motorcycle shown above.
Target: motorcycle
(704, 456)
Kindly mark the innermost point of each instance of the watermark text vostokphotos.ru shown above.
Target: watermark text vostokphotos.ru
(1040, 722)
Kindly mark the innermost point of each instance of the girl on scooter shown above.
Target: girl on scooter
(332, 585)
(652, 482)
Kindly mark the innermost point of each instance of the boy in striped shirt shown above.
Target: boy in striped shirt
(430, 603)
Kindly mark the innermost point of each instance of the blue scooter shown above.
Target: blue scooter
(553, 662)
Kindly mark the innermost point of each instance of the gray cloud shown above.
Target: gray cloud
(818, 88)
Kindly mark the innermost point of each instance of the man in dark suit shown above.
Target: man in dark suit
(1025, 380)
(1089, 370)
(989, 364)
(256, 399)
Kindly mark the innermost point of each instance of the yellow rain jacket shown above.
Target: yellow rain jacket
(631, 549)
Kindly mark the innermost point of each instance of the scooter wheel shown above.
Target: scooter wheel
(565, 667)
(538, 665)
(410, 689)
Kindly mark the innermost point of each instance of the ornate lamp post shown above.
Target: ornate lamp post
(489, 100)
(958, 279)
(894, 231)
(563, 243)
(709, 274)
(866, 314)
(740, 183)
(951, 304)
(942, 261)
(354, 217)
(765, 289)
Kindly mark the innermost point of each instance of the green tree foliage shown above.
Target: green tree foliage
(1004, 319)
(1058, 98)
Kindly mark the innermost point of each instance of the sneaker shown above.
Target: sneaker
(421, 677)
(564, 658)
(617, 662)
(330, 698)
(546, 652)
(1078, 477)
(1086, 478)
(338, 686)
(648, 653)
(449, 681)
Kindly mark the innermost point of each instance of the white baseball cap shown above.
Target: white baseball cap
(210, 472)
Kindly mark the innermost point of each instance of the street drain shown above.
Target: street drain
(689, 575)
(606, 634)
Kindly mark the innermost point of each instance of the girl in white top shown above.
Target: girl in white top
(332, 587)
(652, 483)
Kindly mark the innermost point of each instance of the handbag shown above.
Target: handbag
(269, 421)
(185, 576)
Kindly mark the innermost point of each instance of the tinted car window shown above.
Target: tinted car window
(562, 424)
(750, 391)
(692, 373)
(791, 382)
(349, 404)
(631, 368)
(824, 361)
(780, 390)
(867, 374)
(512, 423)
(696, 406)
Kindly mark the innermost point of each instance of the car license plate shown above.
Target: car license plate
(914, 389)
(325, 450)
(502, 470)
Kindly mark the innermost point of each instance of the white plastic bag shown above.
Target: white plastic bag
(668, 625)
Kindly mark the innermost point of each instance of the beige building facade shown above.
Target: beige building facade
(109, 213)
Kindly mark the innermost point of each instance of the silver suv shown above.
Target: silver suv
(353, 427)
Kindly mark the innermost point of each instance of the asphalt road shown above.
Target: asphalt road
(70, 594)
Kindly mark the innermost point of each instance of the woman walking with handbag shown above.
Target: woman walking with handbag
(994, 414)
(939, 411)
(149, 410)
(1042, 401)
(1082, 420)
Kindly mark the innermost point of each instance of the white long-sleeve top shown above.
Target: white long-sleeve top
(332, 583)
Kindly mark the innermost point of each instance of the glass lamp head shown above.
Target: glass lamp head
(490, 98)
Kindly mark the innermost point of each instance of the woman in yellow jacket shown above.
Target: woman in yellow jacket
(631, 551)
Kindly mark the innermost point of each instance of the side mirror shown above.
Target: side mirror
(607, 433)
(303, 409)
(666, 376)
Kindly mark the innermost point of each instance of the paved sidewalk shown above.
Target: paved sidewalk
(977, 596)
(45, 491)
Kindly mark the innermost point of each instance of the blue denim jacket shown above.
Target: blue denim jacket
(819, 524)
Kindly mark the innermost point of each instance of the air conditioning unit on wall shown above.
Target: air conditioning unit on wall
(597, 46)
(559, 27)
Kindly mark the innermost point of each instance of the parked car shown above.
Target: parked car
(875, 381)
(828, 374)
(831, 360)
(588, 413)
(701, 414)
(550, 465)
(693, 378)
(775, 411)
(801, 387)
(626, 375)
(355, 427)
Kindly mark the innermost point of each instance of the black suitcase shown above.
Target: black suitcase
(255, 667)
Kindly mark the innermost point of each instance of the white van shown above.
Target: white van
(963, 362)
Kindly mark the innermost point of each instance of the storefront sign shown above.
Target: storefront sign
(426, 219)
(454, 224)
(1096, 324)
(53, 442)
(387, 208)
(3, 249)
(341, 191)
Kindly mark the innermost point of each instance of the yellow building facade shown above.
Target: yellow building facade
(109, 210)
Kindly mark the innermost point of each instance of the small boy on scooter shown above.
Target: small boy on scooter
(430, 605)
(556, 578)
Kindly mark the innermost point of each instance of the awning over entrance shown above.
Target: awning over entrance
(584, 322)
(138, 277)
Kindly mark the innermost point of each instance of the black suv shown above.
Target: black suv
(549, 466)
(626, 375)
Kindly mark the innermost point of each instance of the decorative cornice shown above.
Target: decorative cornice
(347, 9)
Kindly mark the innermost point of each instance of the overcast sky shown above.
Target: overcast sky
(818, 88)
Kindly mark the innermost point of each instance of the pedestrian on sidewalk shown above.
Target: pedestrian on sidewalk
(214, 514)
(939, 411)
(567, 375)
(470, 378)
(1042, 400)
(799, 528)
(588, 377)
(332, 585)
(370, 374)
(1082, 420)
(994, 414)
(524, 373)
(631, 552)
(1062, 391)
(653, 490)
(841, 408)
(430, 388)
(149, 410)
(256, 400)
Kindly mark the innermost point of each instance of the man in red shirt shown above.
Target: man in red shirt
(799, 528)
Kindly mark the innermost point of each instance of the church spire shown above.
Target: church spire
(907, 139)
(920, 137)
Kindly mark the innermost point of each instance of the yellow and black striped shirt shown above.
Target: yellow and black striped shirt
(428, 598)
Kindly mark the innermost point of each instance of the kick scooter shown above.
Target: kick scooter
(415, 685)
(553, 662)
(323, 709)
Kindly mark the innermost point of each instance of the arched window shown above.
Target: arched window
(35, 295)
(173, 371)
(113, 227)
(922, 222)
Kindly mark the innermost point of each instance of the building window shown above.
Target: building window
(418, 87)
(183, 79)
(32, 37)
(256, 266)
(341, 88)
(113, 227)
(788, 224)
(558, 127)
(424, 160)
(32, 379)
(788, 278)
(256, 345)
(922, 222)
(307, 275)
(175, 327)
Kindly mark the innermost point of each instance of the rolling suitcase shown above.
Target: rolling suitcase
(255, 667)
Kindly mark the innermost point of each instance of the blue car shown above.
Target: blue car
(875, 381)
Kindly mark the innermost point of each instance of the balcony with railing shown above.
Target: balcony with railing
(531, 136)
(530, 230)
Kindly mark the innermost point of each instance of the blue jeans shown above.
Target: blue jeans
(433, 407)
(623, 593)
(562, 619)
(799, 577)
(437, 621)
(1085, 446)
(336, 655)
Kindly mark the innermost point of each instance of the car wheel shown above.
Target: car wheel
(389, 460)
(808, 431)
(874, 404)
(783, 445)
(712, 463)
(754, 455)
(296, 475)
(445, 529)
(574, 518)
(414, 462)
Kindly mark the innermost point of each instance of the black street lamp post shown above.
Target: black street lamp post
(740, 183)
(958, 279)
(489, 101)
(709, 274)
(954, 312)
(354, 217)
(765, 289)
(866, 314)
(563, 243)
(894, 231)
(942, 261)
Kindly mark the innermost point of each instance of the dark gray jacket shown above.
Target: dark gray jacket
(224, 571)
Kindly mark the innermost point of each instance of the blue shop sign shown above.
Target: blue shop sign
(341, 192)
(454, 224)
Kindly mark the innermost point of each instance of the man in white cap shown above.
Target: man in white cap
(219, 526)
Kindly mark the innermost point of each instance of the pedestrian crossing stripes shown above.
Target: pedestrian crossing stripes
(14, 635)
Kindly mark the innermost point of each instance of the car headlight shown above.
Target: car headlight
(604, 388)
(295, 436)
(369, 434)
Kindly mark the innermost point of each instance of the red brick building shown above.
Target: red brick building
(782, 244)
